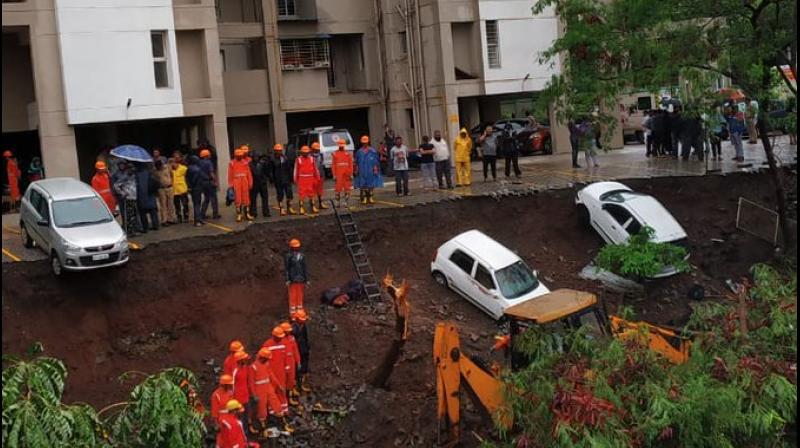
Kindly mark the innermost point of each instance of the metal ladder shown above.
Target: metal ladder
(358, 253)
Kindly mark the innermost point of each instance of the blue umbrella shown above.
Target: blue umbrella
(132, 152)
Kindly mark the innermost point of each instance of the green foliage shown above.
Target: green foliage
(641, 257)
(33, 415)
(736, 389)
(158, 413)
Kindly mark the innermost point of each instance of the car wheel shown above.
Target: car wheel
(55, 265)
(27, 241)
(440, 279)
(547, 146)
(583, 216)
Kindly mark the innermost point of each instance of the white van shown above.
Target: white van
(328, 139)
(485, 272)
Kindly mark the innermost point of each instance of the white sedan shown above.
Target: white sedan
(485, 272)
(616, 212)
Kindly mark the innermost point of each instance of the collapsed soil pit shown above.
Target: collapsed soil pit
(180, 303)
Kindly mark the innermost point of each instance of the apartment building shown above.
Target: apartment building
(81, 74)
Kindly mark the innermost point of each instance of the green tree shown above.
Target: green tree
(610, 47)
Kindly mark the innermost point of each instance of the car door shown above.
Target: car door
(40, 213)
(462, 266)
(486, 290)
(614, 220)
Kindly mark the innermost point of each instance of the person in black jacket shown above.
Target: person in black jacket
(296, 275)
(300, 332)
(281, 171)
(259, 168)
(198, 182)
(510, 151)
(146, 191)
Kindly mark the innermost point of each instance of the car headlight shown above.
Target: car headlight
(69, 247)
(123, 243)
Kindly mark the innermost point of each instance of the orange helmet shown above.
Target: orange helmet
(7, 154)
(278, 332)
(305, 149)
(240, 356)
(204, 153)
(245, 148)
(226, 380)
(287, 327)
(277, 147)
(265, 353)
(236, 346)
(315, 146)
(341, 143)
(300, 316)
(233, 405)
(294, 243)
(364, 139)
(238, 152)
(100, 165)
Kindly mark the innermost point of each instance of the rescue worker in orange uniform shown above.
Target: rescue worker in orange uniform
(232, 433)
(101, 182)
(293, 361)
(306, 177)
(296, 275)
(241, 382)
(13, 173)
(241, 179)
(300, 334)
(222, 394)
(262, 388)
(319, 187)
(342, 169)
(279, 364)
(230, 361)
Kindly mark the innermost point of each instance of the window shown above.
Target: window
(158, 40)
(39, 203)
(304, 53)
(463, 261)
(410, 118)
(516, 280)
(287, 8)
(484, 277)
(80, 212)
(403, 43)
(644, 103)
(492, 44)
(618, 213)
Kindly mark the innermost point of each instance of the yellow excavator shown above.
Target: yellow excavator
(563, 307)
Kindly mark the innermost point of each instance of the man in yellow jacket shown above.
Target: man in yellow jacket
(463, 153)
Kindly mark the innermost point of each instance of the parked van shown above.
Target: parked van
(71, 223)
(485, 272)
(328, 139)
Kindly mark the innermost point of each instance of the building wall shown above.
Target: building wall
(106, 58)
(18, 91)
(522, 37)
(192, 62)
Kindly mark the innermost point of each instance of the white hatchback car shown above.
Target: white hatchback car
(616, 212)
(485, 272)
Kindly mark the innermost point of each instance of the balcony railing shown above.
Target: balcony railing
(296, 10)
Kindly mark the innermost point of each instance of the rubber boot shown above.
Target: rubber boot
(347, 200)
(293, 395)
(250, 217)
(371, 198)
(282, 211)
(363, 197)
(286, 426)
(314, 208)
(322, 205)
(238, 214)
(289, 208)
(302, 208)
(304, 385)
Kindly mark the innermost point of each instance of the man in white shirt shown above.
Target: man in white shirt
(399, 156)
(441, 156)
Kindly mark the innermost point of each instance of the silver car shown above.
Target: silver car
(70, 222)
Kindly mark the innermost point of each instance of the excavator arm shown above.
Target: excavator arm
(664, 341)
(451, 367)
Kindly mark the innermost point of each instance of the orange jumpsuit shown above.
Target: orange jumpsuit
(280, 368)
(241, 179)
(12, 170)
(342, 168)
(101, 183)
(293, 360)
(231, 433)
(241, 384)
(262, 385)
(219, 399)
(229, 365)
(306, 177)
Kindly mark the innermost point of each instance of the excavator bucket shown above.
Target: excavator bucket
(446, 359)
(663, 341)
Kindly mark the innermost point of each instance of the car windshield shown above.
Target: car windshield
(332, 138)
(620, 196)
(80, 212)
(516, 280)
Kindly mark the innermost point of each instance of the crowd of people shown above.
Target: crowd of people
(256, 395)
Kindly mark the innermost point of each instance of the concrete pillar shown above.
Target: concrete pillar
(217, 133)
(469, 112)
(559, 133)
(272, 45)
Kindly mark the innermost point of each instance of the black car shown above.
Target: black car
(527, 142)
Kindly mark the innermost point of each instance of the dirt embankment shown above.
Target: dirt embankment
(179, 303)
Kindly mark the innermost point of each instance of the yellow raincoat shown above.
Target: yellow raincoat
(463, 153)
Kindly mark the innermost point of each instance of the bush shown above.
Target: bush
(739, 388)
(641, 257)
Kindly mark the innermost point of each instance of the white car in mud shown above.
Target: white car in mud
(616, 212)
(485, 272)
